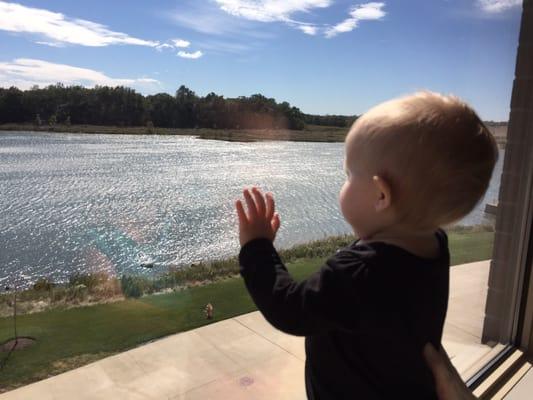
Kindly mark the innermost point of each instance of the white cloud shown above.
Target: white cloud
(308, 29)
(207, 17)
(51, 44)
(270, 10)
(495, 6)
(195, 55)
(164, 46)
(59, 29)
(181, 43)
(205, 22)
(283, 10)
(174, 43)
(347, 25)
(368, 11)
(26, 72)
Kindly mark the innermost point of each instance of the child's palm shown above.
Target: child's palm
(261, 221)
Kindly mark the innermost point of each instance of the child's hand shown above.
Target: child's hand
(261, 221)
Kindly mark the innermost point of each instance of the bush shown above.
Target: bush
(91, 281)
(77, 293)
(131, 286)
(110, 288)
(58, 295)
(150, 127)
(43, 284)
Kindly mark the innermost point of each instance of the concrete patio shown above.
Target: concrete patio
(246, 358)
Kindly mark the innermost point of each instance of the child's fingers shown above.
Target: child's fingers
(252, 211)
(243, 220)
(269, 206)
(275, 223)
(259, 201)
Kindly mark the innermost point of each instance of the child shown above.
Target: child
(413, 164)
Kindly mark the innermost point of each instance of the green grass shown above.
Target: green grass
(109, 328)
(469, 247)
(70, 338)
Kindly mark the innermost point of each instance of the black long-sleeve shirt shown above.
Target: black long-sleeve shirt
(366, 315)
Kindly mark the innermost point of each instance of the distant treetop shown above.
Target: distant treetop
(122, 106)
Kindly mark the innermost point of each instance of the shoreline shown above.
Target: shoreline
(312, 133)
(100, 287)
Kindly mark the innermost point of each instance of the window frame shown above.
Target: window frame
(510, 285)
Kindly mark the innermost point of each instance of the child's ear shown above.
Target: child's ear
(383, 193)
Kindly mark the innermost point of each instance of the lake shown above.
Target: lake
(74, 203)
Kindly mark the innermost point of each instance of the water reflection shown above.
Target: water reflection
(139, 204)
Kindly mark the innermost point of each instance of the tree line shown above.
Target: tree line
(122, 106)
(329, 120)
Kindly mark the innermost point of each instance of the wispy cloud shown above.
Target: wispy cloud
(164, 46)
(195, 55)
(222, 46)
(26, 72)
(173, 44)
(51, 44)
(270, 10)
(308, 29)
(206, 17)
(181, 43)
(368, 11)
(59, 29)
(496, 6)
(284, 11)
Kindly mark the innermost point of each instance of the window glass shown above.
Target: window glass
(127, 134)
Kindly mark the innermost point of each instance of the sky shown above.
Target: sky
(322, 56)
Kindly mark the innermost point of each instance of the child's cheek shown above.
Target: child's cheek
(344, 202)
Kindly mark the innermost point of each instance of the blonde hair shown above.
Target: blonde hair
(434, 152)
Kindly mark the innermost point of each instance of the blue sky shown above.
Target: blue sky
(323, 56)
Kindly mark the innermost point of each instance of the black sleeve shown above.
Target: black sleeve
(327, 300)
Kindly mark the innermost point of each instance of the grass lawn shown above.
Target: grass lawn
(67, 339)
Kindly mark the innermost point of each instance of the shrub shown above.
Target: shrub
(43, 284)
(91, 280)
(58, 295)
(77, 293)
(110, 288)
(131, 286)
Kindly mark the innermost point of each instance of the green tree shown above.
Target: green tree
(52, 120)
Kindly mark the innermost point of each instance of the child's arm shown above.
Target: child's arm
(318, 304)
(326, 300)
(449, 384)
